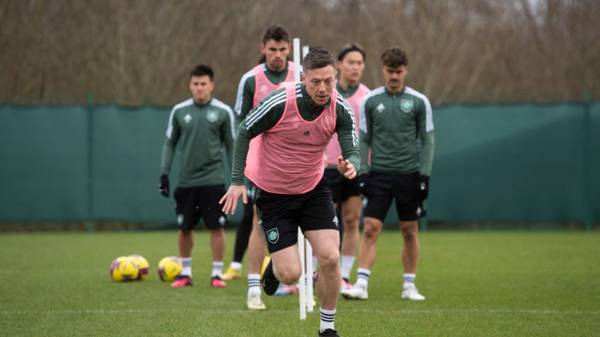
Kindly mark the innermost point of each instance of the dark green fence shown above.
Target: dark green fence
(521, 162)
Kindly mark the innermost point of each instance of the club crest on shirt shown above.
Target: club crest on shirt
(406, 105)
(212, 116)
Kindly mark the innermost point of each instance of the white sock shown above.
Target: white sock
(315, 263)
(409, 279)
(236, 265)
(186, 262)
(347, 263)
(327, 319)
(362, 279)
(254, 285)
(217, 268)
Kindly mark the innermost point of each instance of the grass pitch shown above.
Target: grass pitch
(476, 283)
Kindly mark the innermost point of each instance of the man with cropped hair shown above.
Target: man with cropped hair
(396, 126)
(296, 123)
(200, 128)
(346, 193)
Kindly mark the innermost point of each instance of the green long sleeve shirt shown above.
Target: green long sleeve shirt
(199, 132)
(398, 129)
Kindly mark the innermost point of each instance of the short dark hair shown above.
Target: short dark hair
(202, 70)
(394, 57)
(277, 33)
(317, 57)
(350, 47)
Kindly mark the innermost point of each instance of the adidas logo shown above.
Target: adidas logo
(306, 133)
(187, 118)
(380, 107)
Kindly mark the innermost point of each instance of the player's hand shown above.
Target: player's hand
(163, 185)
(363, 184)
(346, 168)
(423, 187)
(231, 197)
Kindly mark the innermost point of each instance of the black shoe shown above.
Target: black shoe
(328, 333)
(269, 282)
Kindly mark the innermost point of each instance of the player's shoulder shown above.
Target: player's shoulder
(374, 94)
(214, 102)
(250, 74)
(182, 106)
(342, 104)
(416, 94)
(363, 89)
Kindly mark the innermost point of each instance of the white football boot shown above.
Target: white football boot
(355, 293)
(411, 293)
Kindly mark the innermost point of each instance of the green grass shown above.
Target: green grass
(476, 283)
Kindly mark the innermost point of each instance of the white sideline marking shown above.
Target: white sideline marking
(245, 311)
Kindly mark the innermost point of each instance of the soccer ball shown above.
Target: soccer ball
(124, 269)
(169, 268)
(142, 264)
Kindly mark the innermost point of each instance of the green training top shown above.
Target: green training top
(270, 110)
(398, 128)
(247, 85)
(199, 132)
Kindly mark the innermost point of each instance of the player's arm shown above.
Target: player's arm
(245, 96)
(171, 137)
(427, 138)
(365, 129)
(227, 134)
(348, 139)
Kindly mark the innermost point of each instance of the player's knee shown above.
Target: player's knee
(372, 230)
(330, 259)
(410, 231)
(288, 273)
(351, 221)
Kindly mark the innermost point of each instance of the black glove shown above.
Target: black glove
(363, 184)
(423, 187)
(163, 186)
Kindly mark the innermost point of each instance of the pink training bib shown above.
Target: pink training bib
(290, 157)
(262, 88)
(333, 148)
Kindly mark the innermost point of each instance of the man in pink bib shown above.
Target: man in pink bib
(295, 124)
(346, 193)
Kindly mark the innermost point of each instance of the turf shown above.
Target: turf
(476, 283)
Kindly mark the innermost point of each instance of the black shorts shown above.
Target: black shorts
(341, 188)
(191, 203)
(282, 214)
(404, 188)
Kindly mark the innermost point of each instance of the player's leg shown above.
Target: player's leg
(380, 199)
(351, 208)
(187, 218)
(256, 254)
(242, 237)
(320, 226)
(215, 221)
(409, 210)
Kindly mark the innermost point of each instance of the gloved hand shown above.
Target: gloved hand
(363, 184)
(423, 187)
(163, 186)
